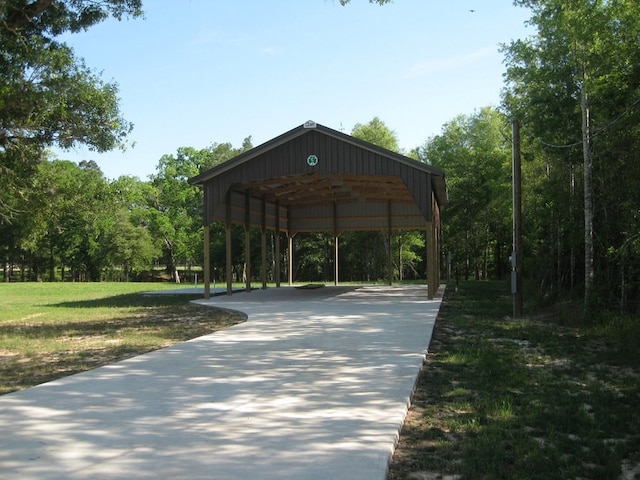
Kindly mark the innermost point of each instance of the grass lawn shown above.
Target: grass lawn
(50, 330)
(535, 398)
(527, 399)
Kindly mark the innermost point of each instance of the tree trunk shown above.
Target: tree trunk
(588, 204)
(52, 264)
(467, 260)
(172, 269)
(572, 280)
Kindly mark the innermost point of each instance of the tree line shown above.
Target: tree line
(73, 224)
(574, 85)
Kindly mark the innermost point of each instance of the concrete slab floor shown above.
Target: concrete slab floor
(315, 385)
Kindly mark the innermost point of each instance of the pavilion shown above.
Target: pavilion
(316, 179)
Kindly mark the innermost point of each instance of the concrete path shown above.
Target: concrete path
(315, 385)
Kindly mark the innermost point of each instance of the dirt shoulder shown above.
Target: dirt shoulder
(528, 399)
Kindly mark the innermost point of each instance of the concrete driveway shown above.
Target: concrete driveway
(315, 385)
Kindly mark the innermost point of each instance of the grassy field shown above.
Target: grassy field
(527, 399)
(50, 330)
(535, 398)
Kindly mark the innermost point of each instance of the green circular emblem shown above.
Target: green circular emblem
(312, 160)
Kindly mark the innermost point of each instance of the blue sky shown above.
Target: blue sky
(198, 72)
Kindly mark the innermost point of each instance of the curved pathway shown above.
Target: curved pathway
(315, 385)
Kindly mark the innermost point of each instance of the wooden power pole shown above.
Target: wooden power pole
(517, 253)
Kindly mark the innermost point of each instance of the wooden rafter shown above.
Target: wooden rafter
(318, 189)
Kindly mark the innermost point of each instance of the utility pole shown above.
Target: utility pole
(517, 253)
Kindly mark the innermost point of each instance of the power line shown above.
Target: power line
(594, 134)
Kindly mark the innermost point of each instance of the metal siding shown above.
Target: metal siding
(383, 167)
(358, 216)
(336, 156)
(264, 164)
(429, 196)
(208, 205)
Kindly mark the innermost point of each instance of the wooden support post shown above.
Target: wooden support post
(389, 245)
(207, 261)
(432, 281)
(436, 257)
(227, 231)
(335, 244)
(247, 240)
(277, 247)
(438, 253)
(290, 253)
(427, 251)
(290, 248)
(263, 243)
(263, 248)
(335, 253)
(435, 261)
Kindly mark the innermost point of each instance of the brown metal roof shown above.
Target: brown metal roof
(313, 178)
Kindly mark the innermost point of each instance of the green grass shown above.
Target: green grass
(50, 330)
(525, 399)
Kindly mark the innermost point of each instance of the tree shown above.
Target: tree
(12, 232)
(405, 244)
(130, 247)
(174, 213)
(408, 244)
(314, 257)
(47, 95)
(569, 84)
(363, 256)
(66, 223)
(376, 132)
(476, 158)
(379, 2)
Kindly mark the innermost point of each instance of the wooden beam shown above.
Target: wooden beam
(227, 231)
(207, 261)
(324, 201)
(431, 268)
(247, 240)
(290, 253)
(304, 188)
(304, 193)
(438, 239)
(390, 238)
(346, 219)
(277, 246)
(281, 182)
(335, 261)
(263, 243)
(335, 244)
(290, 248)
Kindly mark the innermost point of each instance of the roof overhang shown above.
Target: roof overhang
(313, 178)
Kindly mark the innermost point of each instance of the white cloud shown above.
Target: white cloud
(270, 50)
(210, 37)
(444, 64)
